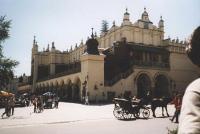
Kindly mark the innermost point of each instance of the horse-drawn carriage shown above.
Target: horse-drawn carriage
(127, 109)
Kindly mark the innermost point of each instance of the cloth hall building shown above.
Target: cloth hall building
(131, 59)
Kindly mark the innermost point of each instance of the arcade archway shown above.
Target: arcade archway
(161, 86)
(69, 91)
(143, 85)
(76, 90)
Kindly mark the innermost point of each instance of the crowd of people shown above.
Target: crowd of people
(39, 102)
(9, 104)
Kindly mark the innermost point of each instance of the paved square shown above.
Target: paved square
(77, 118)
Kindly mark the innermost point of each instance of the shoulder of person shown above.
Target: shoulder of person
(194, 86)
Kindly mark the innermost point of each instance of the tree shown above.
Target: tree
(6, 64)
(104, 26)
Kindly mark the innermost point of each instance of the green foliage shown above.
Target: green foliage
(6, 65)
(6, 71)
(4, 28)
(104, 26)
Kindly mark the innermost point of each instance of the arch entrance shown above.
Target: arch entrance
(161, 86)
(143, 85)
(76, 90)
(69, 91)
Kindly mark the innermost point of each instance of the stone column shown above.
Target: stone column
(92, 69)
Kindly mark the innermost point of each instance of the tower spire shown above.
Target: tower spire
(161, 24)
(34, 41)
(126, 10)
(35, 46)
(114, 23)
(92, 34)
(126, 20)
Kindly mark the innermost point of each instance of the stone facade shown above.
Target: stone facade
(134, 59)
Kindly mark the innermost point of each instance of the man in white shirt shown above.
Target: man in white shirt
(190, 111)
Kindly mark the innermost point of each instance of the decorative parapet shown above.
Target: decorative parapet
(175, 46)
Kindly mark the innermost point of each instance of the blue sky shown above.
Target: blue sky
(67, 22)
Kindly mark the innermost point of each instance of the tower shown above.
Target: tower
(126, 20)
(53, 47)
(161, 27)
(34, 64)
(35, 46)
(144, 22)
(161, 24)
(145, 16)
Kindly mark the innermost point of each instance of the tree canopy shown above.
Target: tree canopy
(104, 26)
(6, 64)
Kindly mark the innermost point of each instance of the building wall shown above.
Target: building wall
(179, 75)
(183, 71)
(132, 34)
(130, 83)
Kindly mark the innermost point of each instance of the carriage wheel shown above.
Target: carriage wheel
(118, 113)
(136, 114)
(146, 113)
(127, 115)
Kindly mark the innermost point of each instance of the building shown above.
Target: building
(134, 59)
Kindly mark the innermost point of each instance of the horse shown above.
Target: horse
(160, 102)
(157, 102)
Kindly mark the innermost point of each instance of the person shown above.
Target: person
(35, 105)
(12, 103)
(190, 111)
(177, 103)
(86, 100)
(56, 101)
(50, 101)
(6, 107)
(27, 102)
(39, 104)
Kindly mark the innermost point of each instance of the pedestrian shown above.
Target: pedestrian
(9, 107)
(35, 105)
(12, 103)
(49, 101)
(86, 100)
(40, 104)
(27, 102)
(56, 101)
(6, 107)
(190, 111)
(177, 103)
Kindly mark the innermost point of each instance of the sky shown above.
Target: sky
(67, 22)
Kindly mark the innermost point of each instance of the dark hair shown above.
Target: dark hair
(193, 50)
